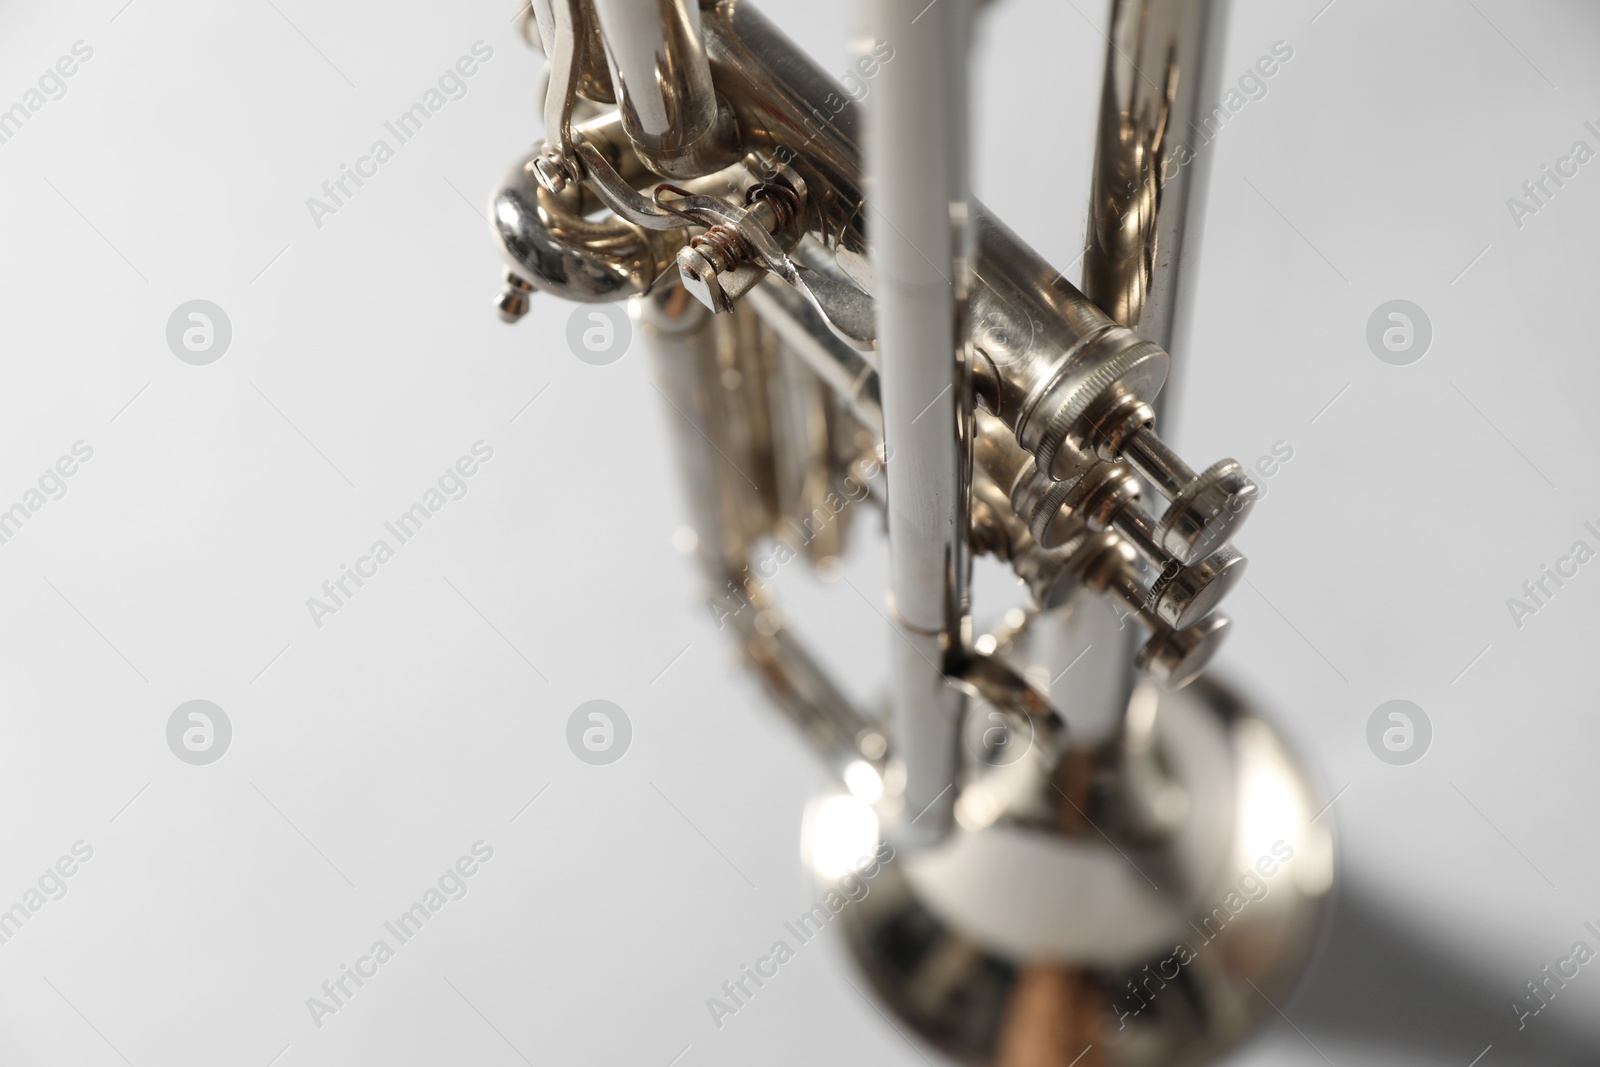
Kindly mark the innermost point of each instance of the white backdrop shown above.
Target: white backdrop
(370, 753)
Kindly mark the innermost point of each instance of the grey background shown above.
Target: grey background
(370, 753)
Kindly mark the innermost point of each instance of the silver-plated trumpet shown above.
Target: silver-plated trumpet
(1077, 863)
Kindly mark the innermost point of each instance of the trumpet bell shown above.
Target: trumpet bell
(1159, 922)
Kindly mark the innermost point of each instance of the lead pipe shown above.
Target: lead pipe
(915, 162)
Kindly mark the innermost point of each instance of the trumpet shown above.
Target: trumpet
(1085, 825)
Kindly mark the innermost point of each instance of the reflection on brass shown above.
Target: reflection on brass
(1095, 862)
(1052, 1018)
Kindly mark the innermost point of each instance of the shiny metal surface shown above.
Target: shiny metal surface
(1046, 357)
(1161, 63)
(1106, 496)
(721, 416)
(916, 158)
(663, 84)
(1057, 847)
(1157, 926)
(552, 241)
(561, 252)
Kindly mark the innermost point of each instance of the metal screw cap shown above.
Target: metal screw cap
(1206, 512)
(1176, 657)
(512, 299)
(1182, 596)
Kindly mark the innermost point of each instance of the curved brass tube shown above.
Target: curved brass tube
(547, 240)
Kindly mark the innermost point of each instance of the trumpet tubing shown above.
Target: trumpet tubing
(909, 354)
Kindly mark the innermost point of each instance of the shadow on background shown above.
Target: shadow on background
(1373, 982)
